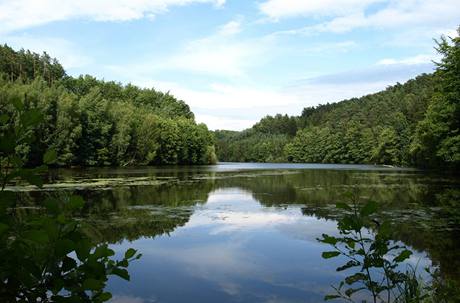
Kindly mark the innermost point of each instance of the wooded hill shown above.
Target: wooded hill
(410, 124)
(91, 122)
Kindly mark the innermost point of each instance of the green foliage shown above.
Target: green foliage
(264, 142)
(278, 124)
(26, 65)
(90, 122)
(376, 128)
(373, 259)
(250, 146)
(46, 254)
(412, 124)
(372, 129)
(437, 137)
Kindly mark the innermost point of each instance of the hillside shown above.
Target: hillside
(91, 122)
(372, 129)
(410, 124)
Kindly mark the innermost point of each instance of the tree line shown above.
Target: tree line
(410, 124)
(91, 122)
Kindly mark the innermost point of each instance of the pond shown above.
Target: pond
(242, 232)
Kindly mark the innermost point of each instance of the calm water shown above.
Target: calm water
(247, 232)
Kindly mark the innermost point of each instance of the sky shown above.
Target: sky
(236, 61)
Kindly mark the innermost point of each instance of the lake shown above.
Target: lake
(243, 232)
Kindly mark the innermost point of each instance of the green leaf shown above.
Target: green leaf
(102, 251)
(331, 297)
(64, 246)
(130, 253)
(342, 205)
(105, 296)
(76, 202)
(330, 254)
(348, 223)
(348, 195)
(3, 228)
(369, 208)
(384, 230)
(355, 278)
(328, 239)
(83, 249)
(351, 291)
(351, 243)
(121, 272)
(37, 236)
(50, 156)
(7, 143)
(349, 264)
(405, 254)
(61, 218)
(68, 264)
(17, 161)
(17, 104)
(56, 285)
(52, 206)
(92, 284)
(123, 263)
(4, 118)
(7, 196)
(31, 117)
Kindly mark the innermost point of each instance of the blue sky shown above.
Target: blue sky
(235, 61)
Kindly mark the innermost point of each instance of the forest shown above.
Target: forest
(91, 122)
(412, 124)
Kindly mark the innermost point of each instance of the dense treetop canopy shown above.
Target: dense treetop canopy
(91, 122)
(410, 124)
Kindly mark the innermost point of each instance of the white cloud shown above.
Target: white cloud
(417, 37)
(214, 56)
(293, 8)
(419, 59)
(342, 46)
(20, 14)
(233, 106)
(232, 220)
(222, 122)
(238, 106)
(396, 14)
(230, 28)
(220, 54)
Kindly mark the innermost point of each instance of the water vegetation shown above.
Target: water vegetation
(375, 261)
(47, 254)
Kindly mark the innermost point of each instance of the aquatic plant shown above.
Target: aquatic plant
(46, 253)
(376, 259)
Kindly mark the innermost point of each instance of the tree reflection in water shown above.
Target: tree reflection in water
(416, 205)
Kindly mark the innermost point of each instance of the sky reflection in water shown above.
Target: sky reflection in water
(232, 249)
(246, 232)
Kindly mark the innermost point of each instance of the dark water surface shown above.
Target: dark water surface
(247, 232)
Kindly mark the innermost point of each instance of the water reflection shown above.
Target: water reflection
(232, 249)
(231, 234)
